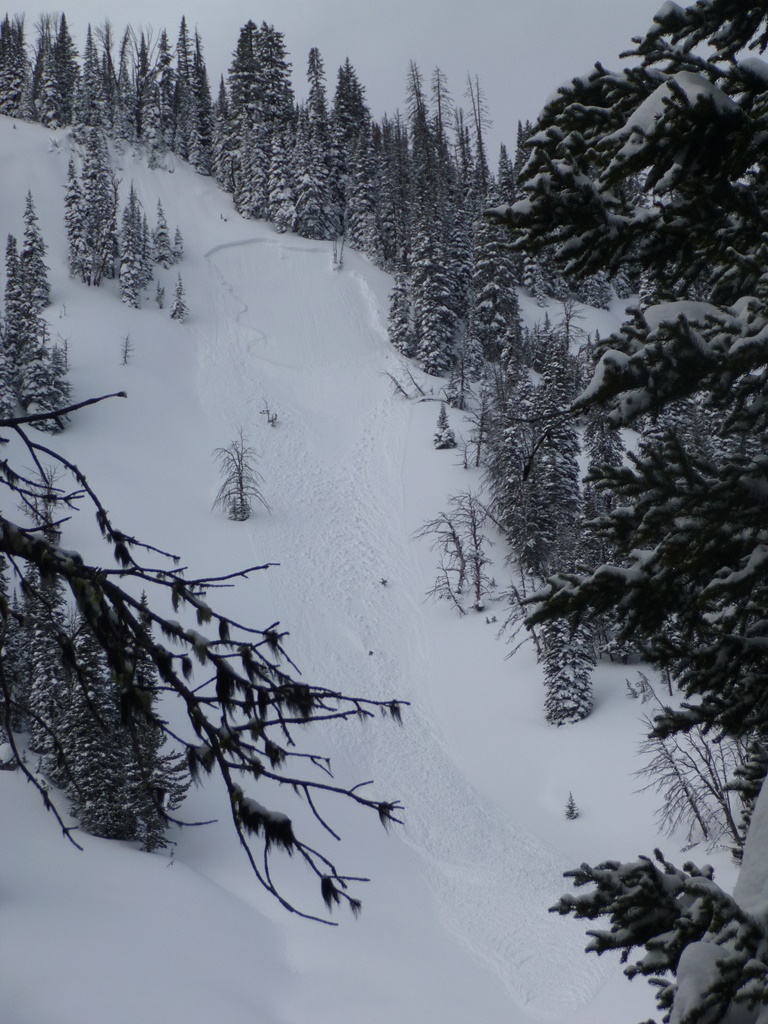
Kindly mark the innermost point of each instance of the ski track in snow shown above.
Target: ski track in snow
(491, 880)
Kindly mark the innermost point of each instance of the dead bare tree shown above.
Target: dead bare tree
(241, 487)
(458, 535)
(693, 772)
(445, 538)
(469, 515)
(445, 587)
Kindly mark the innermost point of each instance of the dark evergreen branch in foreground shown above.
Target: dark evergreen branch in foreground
(244, 711)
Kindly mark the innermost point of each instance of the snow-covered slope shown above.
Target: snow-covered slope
(455, 923)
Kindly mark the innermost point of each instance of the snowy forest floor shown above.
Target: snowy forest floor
(455, 923)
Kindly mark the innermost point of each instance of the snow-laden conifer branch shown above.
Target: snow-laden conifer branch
(659, 171)
(667, 911)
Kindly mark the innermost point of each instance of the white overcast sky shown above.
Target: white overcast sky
(521, 50)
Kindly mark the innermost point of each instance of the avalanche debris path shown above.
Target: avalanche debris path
(286, 326)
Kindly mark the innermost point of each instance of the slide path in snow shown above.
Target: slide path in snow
(311, 344)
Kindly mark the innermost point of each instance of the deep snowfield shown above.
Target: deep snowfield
(455, 924)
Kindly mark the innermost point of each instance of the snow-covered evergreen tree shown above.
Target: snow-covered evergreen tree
(42, 102)
(552, 479)
(96, 240)
(34, 272)
(14, 68)
(362, 229)
(66, 71)
(44, 612)
(17, 319)
(281, 208)
(161, 240)
(313, 200)
(401, 332)
(434, 320)
(495, 308)
(179, 309)
(201, 134)
(96, 745)
(90, 108)
(444, 435)
(571, 810)
(132, 251)
(467, 370)
(178, 246)
(155, 780)
(74, 222)
(568, 661)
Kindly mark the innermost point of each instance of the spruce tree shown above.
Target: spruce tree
(41, 377)
(179, 310)
(59, 391)
(15, 666)
(510, 445)
(27, 373)
(178, 246)
(132, 250)
(201, 140)
(467, 370)
(281, 208)
(165, 78)
(66, 71)
(161, 240)
(506, 179)
(44, 612)
(96, 745)
(184, 93)
(139, 107)
(97, 238)
(43, 101)
(90, 108)
(74, 222)
(348, 119)
(394, 204)
(17, 315)
(495, 309)
(221, 164)
(311, 189)
(14, 67)
(552, 479)
(155, 781)
(571, 810)
(401, 332)
(568, 661)
(242, 113)
(444, 435)
(434, 320)
(34, 272)
(748, 781)
(362, 228)
(320, 136)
